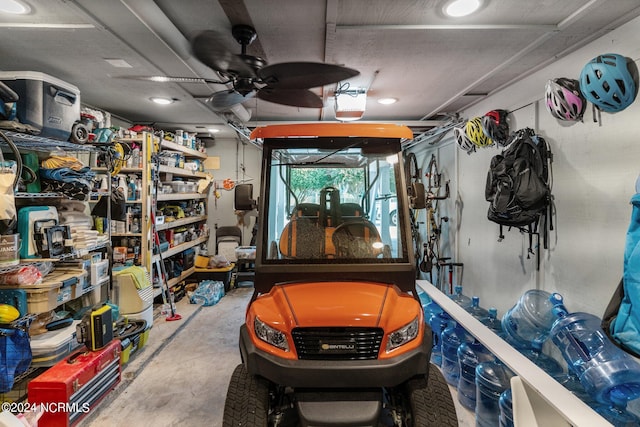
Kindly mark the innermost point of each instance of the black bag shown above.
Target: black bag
(518, 186)
(118, 206)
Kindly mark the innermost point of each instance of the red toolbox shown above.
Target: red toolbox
(68, 390)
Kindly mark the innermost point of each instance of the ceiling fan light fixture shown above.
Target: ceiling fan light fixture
(460, 8)
(387, 101)
(162, 101)
(350, 104)
(15, 7)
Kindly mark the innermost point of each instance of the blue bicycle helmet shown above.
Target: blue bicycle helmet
(606, 81)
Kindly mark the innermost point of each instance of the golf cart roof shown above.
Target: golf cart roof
(332, 129)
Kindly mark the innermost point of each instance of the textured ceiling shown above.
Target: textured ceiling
(404, 48)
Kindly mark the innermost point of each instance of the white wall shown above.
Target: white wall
(240, 162)
(595, 168)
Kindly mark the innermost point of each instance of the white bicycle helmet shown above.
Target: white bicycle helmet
(463, 142)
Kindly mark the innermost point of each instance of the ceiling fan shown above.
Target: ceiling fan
(286, 83)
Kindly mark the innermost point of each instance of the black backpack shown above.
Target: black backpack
(518, 186)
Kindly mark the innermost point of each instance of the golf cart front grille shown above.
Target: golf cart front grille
(337, 343)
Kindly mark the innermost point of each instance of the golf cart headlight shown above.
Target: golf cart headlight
(403, 335)
(269, 335)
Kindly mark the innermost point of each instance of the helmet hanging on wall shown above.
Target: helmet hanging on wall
(564, 100)
(495, 126)
(608, 82)
(463, 142)
(476, 134)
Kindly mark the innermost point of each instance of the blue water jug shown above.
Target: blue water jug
(572, 383)
(492, 378)
(492, 322)
(452, 337)
(459, 298)
(439, 322)
(431, 309)
(607, 373)
(469, 355)
(546, 363)
(476, 311)
(506, 409)
(423, 296)
(618, 416)
(528, 323)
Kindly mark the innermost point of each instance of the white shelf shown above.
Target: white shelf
(180, 196)
(181, 148)
(180, 222)
(546, 393)
(184, 275)
(182, 172)
(181, 247)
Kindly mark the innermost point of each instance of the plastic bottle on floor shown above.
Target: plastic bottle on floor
(469, 355)
(431, 309)
(439, 322)
(459, 298)
(452, 337)
(506, 409)
(476, 311)
(492, 379)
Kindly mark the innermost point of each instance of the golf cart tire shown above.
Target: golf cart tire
(247, 401)
(431, 403)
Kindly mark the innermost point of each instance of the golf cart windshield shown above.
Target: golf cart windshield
(333, 201)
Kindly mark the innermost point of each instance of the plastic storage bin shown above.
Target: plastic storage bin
(46, 103)
(52, 346)
(56, 288)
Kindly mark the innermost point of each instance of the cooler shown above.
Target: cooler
(80, 382)
(46, 103)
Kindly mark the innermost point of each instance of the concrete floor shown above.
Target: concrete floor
(180, 377)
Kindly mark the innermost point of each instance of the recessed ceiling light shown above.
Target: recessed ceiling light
(162, 101)
(15, 7)
(213, 130)
(460, 8)
(387, 101)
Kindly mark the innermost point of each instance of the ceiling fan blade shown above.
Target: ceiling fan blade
(292, 97)
(228, 98)
(164, 79)
(304, 75)
(209, 48)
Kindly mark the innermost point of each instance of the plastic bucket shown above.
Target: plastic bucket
(9, 250)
